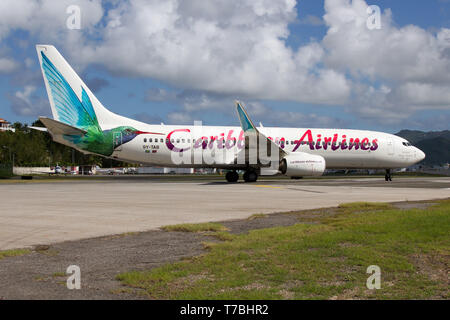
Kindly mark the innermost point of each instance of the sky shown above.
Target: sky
(305, 63)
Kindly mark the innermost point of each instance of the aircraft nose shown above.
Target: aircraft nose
(420, 155)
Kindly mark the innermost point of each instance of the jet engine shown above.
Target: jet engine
(302, 164)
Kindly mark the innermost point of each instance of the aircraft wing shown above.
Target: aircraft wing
(255, 141)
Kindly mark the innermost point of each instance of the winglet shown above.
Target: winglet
(246, 123)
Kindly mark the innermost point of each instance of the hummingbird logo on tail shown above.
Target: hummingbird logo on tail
(81, 114)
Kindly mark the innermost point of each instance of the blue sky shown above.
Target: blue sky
(279, 57)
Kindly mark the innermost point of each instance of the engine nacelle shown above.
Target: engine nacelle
(302, 164)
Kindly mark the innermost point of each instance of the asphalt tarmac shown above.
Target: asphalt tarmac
(53, 211)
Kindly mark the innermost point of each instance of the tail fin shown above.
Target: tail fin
(70, 99)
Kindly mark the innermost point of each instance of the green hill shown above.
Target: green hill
(435, 144)
(414, 136)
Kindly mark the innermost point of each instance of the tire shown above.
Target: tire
(250, 176)
(232, 176)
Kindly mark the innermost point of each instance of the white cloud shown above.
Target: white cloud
(46, 19)
(179, 118)
(7, 65)
(221, 47)
(27, 103)
(395, 71)
(312, 20)
(216, 50)
(240, 49)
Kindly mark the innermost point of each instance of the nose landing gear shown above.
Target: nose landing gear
(388, 175)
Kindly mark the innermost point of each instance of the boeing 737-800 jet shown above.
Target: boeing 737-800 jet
(82, 122)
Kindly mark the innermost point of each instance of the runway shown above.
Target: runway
(51, 212)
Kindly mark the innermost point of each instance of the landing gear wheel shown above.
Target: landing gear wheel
(388, 175)
(232, 176)
(250, 176)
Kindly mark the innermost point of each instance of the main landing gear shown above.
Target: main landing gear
(232, 176)
(388, 175)
(249, 176)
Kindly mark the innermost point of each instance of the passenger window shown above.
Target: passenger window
(172, 140)
(145, 139)
(150, 140)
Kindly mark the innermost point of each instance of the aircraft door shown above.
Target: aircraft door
(390, 147)
(117, 141)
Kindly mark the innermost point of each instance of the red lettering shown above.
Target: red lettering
(230, 139)
(169, 143)
(334, 145)
(310, 140)
(374, 145)
(365, 144)
(344, 142)
(241, 142)
(319, 140)
(327, 140)
(354, 143)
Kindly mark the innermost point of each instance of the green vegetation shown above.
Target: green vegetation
(364, 206)
(201, 227)
(27, 147)
(58, 274)
(324, 260)
(13, 253)
(256, 216)
(6, 170)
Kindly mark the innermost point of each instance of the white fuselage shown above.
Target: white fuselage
(341, 148)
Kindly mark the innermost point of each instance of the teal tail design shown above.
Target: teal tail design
(70, 110)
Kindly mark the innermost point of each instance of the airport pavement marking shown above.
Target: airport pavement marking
(267, 186)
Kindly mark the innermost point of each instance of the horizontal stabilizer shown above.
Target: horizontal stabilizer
(59, 128)
(39, 129)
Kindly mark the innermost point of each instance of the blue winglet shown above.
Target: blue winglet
(246, 123)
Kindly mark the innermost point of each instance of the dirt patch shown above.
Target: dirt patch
(260, 222)
(436, 268)
(412, 205)
(101, 259)
(284, 219)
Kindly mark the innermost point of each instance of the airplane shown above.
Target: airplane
(82, 122)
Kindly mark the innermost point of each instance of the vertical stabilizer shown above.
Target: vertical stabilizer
(70, 99)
